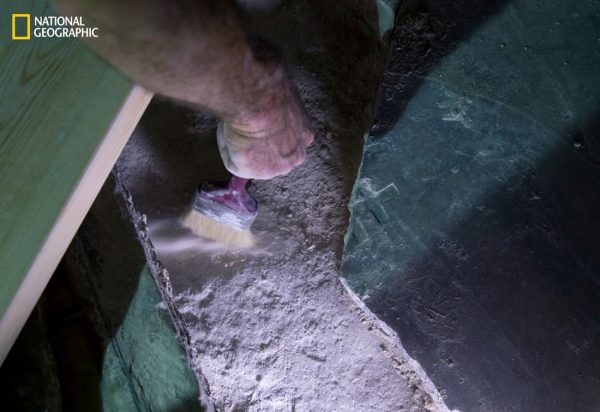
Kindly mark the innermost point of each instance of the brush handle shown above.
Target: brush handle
(237, 183)
(237, 190)
(231, 194)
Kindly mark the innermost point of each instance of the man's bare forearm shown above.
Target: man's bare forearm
(195, 51)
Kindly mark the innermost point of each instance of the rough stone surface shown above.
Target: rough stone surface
(271, 328)
(484, 257)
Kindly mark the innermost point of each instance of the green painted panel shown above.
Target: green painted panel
(144, 368)
(57, 101)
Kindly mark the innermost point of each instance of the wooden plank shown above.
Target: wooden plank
(64, 118)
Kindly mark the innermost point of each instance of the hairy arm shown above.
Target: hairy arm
(197, 51)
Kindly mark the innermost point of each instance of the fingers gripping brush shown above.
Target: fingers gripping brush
(223, 211)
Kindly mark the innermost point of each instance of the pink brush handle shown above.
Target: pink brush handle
(237, 183)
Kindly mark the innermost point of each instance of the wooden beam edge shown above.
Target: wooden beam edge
(71, 216)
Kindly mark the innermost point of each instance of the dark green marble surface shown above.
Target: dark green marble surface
(475, 225)
(144, 364)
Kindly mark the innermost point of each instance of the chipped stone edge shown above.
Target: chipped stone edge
(407, 367)
(162, 279)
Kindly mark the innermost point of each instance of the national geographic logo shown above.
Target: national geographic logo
(49, 27)
(26, 20)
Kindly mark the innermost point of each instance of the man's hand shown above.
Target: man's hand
(268, 142)
(197, 52)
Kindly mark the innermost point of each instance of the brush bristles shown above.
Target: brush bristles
(209, 228)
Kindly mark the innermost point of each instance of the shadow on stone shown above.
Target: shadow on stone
(97, 330)
(508, 297)
(425, 32)
(483, 254)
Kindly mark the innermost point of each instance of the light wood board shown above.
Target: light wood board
(64, 119)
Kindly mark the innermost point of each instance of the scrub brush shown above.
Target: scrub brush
(223, 211)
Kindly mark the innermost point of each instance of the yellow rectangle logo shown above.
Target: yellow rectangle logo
(27, 17)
